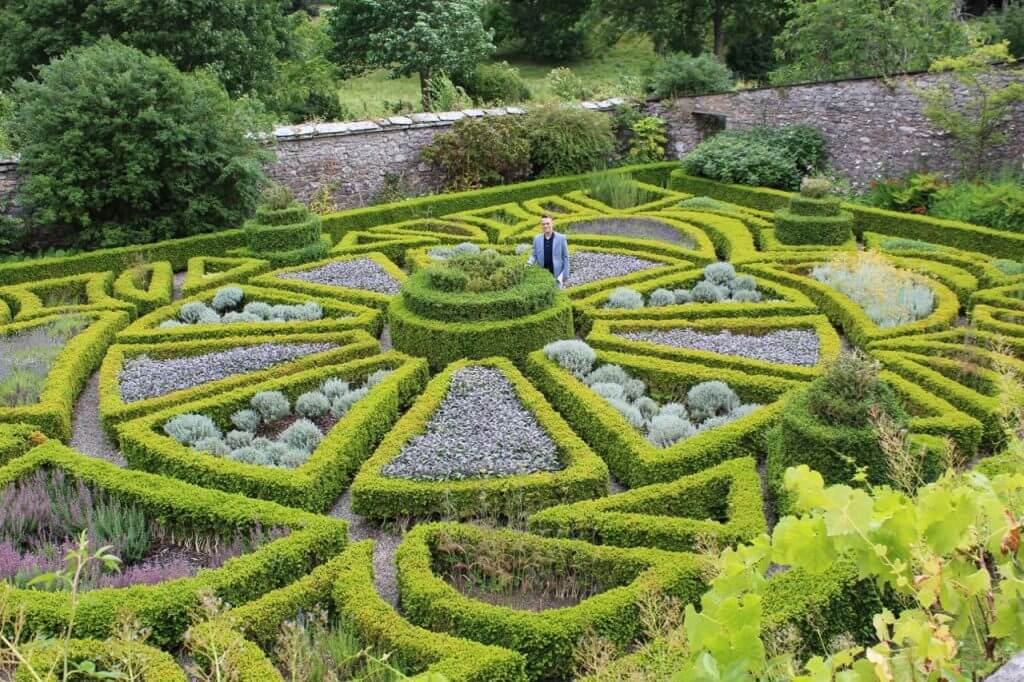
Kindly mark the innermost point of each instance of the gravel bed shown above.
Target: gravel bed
(643, 228)
(480, 430)
(785, 347)
(360, 273)
(144, 377)
(87, 435)
(591, 266)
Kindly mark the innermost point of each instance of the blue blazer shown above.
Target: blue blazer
(559, 254)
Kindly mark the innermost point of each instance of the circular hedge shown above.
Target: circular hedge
(535, 293)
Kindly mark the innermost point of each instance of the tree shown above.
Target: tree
(119, 147)
(422, 37)
(237, 39)
(544, 29)
(831, 39)
(976, 116)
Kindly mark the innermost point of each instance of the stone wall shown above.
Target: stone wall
(874, 128)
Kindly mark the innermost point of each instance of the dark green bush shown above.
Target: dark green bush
(998, 204)
(681, 75)
(1011, 21)
(480, 152)
(305, 83)
(763, 156)
(849, 391)
(476, 273)
(495, 83)
(915, 193)
(118, 147)
(569, 141)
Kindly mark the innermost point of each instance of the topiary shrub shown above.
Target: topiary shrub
(95, 174)
(813, 217)
(283, 235)
(683, 75)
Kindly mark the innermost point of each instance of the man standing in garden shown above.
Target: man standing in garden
(551, 251)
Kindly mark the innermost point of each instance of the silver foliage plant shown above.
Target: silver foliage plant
(226, 308)
(720, 284)
(708, 404)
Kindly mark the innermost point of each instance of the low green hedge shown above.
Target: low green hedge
(633, 460)
(350, 345)
(338, 224)
(278, 279)
(790, 301)
(392, 247)
(338, 316)
(933, 415)
(165, 607)
(809, 206)
(316, 484)
(15, 440)
(271, 239)
(722, 503)
(80, 357)
(149, 664)
(294, 256)
(798, 229)
(417, 649)
(868, 219)
(377, 496)
(733, 239)
(605, 334)
(210, 272)
(547, 639)
(155, 289)
(1008, 296)
(447, 231)
(28, 300)
(998, 320)
(849, 316)
(977, 264)
(655, 196)
(533, 295)
(290, 215)
(498, 229)
(445, 342)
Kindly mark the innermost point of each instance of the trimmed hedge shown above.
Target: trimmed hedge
(998, 320)
(533, 295)
(849, 316)
(633, 460)
(338, 316)
(68, 374)
(732, 236)
(351, 345)
(377, 496)
(15, 440)
(977, 264)
(869, 219)
(155, 289)
(547, 639)
(28, 300)
(604, 334)
(165, 607)
(158, 666)
(446, 342)
(657, 197)
(210, 272)
(316, 484)
(793, 228)
(723, 503)
(392, 247)
(1009, 296)
(371, 299)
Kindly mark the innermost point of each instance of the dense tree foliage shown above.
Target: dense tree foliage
(237, 39)
(544, 29)
(411, 37)
(120, 147)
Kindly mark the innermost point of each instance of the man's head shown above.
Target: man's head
(547, 225)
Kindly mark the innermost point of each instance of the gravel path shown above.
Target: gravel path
(179, 281)
(591, 266)
(786, 346)
(385, 339)
(144, 377)
(87, 435)
(480, 429)
(359, 273)
(385, 571)
(643, 228)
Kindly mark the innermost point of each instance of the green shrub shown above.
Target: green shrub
(567, 86)
(96, 173)
(569, 141)
(998, 204)
(683, 75)
(476, 273)
(914, 193)
(480, 152)
(1011, 21)
(848, 391)
(762, 156)
(495, 83)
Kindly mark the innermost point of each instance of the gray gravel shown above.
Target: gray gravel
(178, 283)
(591, 266)
(479, 430)
(786, 346)
(643, 228)
(359, 273)
(143, 377)
(385, 571)
(87, 434)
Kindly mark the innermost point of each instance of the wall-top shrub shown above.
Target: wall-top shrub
(763, 156)
(682, 75)
(96, 171)
(494, 83)
(481, 152)
(569, 141)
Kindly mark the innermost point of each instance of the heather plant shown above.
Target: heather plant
(27, 357)
(708, 404)
(888, 295)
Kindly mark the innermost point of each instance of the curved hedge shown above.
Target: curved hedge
(373, 299)
(210, 272)
(377, 496)
(534, 294)
(445, 342)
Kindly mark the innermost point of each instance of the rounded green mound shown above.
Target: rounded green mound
(811, 220)
(477, 306)
(285, 236)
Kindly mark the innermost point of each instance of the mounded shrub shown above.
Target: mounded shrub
(683, 75)
(764, 156)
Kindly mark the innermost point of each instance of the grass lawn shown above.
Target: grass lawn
(375, 95)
